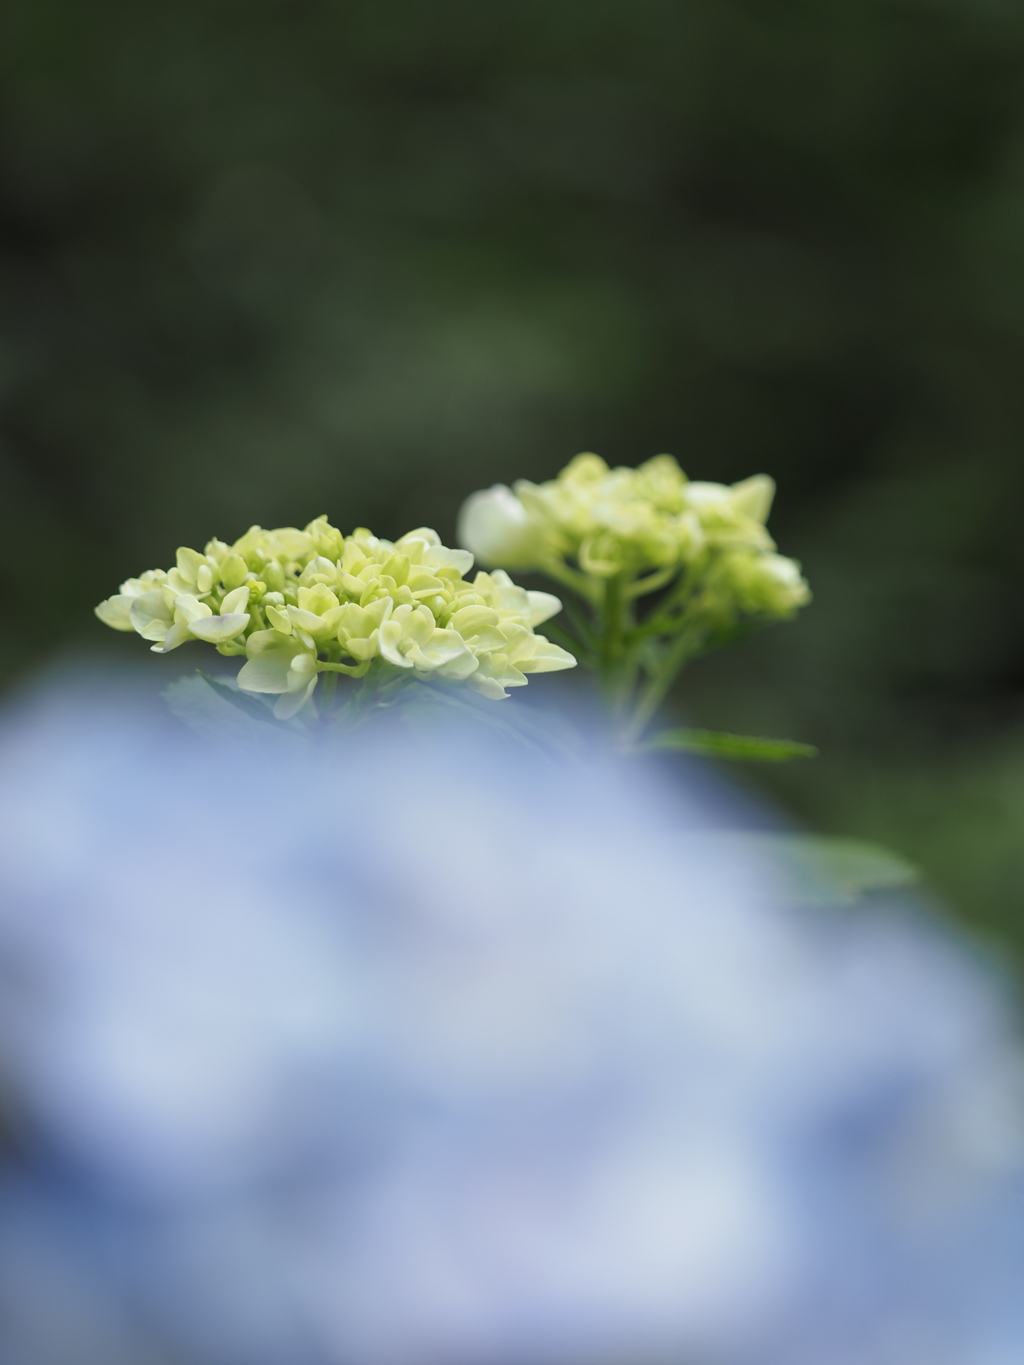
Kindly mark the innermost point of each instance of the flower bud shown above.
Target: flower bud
(753, 497)
(496, 527)
(233, 571)
(766, 584)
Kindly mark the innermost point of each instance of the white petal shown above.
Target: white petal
(302, 667)
(293, 702)
(543, 605)
(117, 612)
(547, 657)
(388, 640)
(304, 620)
(216, 629)
(150, 615)
(188, 608)
(487, 686)
(459, 668)
(235, 601)
(440, 557)
(443, 647)
(177, 635)
(490, 639)
(265, 673)
(279, 620)
(468, 620)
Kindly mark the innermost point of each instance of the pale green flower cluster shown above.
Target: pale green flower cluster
(630, 522)
(298, 604)
(667, 569)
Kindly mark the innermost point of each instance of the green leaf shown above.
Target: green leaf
(736, 748)
(822, 869)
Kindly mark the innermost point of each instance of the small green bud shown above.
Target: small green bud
(233, 571)
(273, 575)
(397, 568)
(327, 539)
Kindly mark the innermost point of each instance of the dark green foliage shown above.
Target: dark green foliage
(264, 260)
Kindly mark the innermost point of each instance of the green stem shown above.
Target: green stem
(670, 613)
(652, 582)
(585, 630)
(587, 587)
(684, 648)
(618, 664)
(611, 635)
(353, 670)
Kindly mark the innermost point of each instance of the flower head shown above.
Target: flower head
(297, 603)
(617, 536)
(651, 519)
(613, 519)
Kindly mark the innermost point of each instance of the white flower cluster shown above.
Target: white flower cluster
(614, 521)
(297, 603)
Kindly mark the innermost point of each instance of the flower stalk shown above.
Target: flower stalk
(659, 569)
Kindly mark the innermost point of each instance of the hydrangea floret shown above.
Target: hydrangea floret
(665, 568)
(300, 604)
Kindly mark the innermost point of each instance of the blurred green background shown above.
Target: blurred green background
(264, 260)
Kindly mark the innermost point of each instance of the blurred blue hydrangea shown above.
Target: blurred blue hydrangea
(431, 1050)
